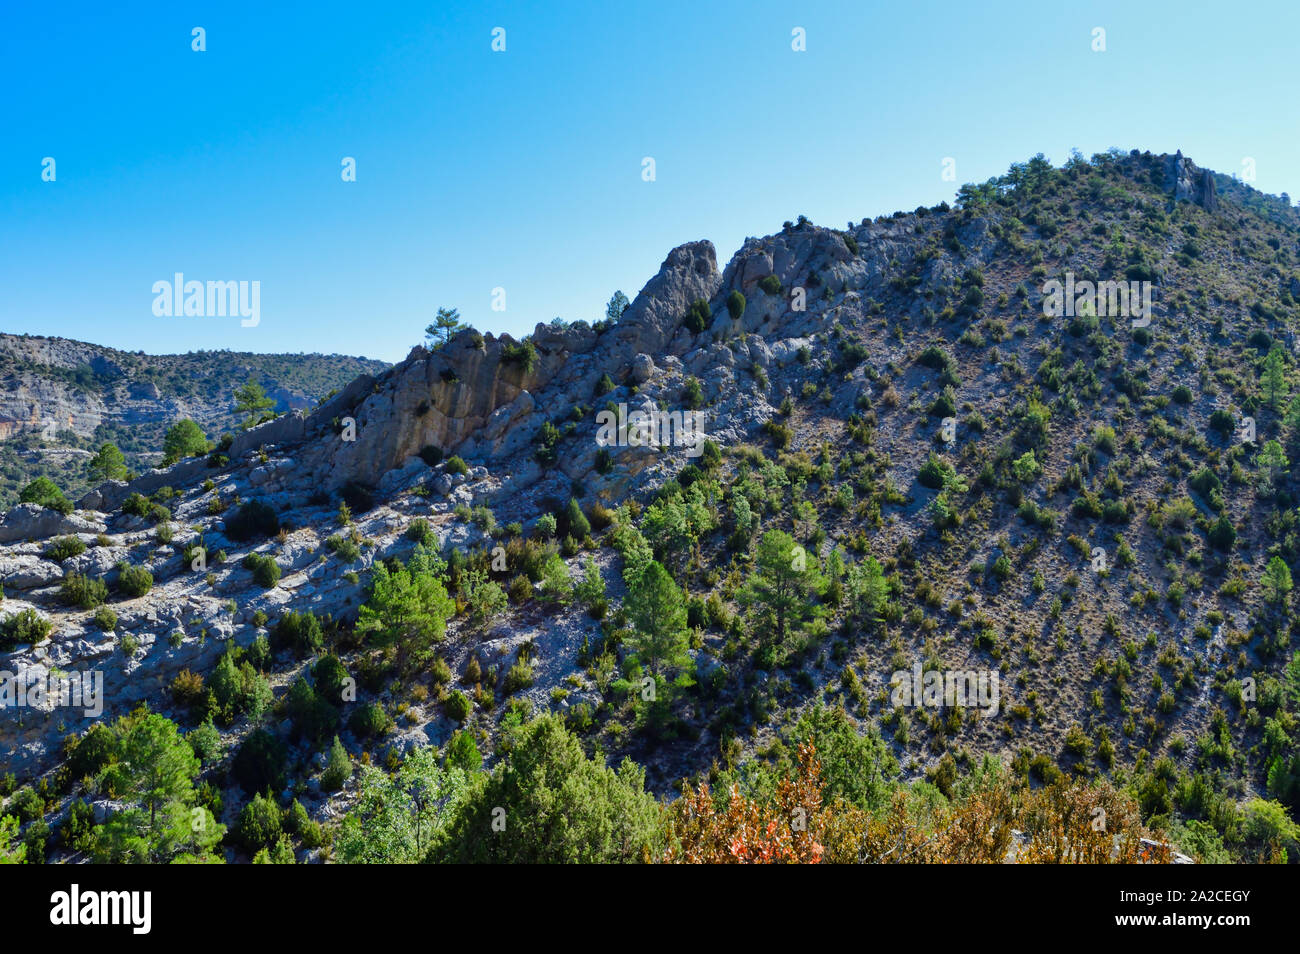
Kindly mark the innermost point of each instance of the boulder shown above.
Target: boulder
(28, 572)
(34, 522)
(643, 368)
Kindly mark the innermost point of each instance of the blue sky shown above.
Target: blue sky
(523, 169)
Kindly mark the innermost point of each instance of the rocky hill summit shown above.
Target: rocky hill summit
(896, 395)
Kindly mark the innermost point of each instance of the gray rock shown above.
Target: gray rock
(28, 572)
(643, 368)
(34, 522)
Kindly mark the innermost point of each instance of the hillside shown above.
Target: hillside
(61, 399)
(910, 460)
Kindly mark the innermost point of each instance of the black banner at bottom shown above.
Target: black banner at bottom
(331, 904)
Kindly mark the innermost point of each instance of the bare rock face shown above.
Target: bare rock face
(28, 571)
(34, 522)
(474, 396)
(652, 321)
(1191, 184)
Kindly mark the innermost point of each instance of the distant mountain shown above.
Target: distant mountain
(61, 399)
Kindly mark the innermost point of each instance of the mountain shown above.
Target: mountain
(61, 399)
(979, 500)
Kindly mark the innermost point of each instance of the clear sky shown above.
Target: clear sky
(522, 169)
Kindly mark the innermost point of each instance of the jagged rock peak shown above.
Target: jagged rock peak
(1188, 183)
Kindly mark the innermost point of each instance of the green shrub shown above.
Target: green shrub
(781, 434)
(89, 754)
(697, 316)
(27, 805)
(1222, 421)
(82, 591)
(64, 548)
(462, 753)
(46, 493)
(575, 521)
(338, 768)
(547, 773)
(313, 716)
(557, 588)
(523, 354)
(106, 619)
(519, 677)
(692, 393)
(457, 466)
(26, 626)
(548, 436)
(458, 705)
(300, 632)
(934, 472)
(770, 284)
(1223, 536)
(254, 519)
(330, 678)
(183, 439)
(260, 762)
(298, 822)
(266, 572)
(260, 823)
(343, 548)
(936, 358)
(945, 405)
(735, 305)
(370, 720)
(133, 581)
(419, 531)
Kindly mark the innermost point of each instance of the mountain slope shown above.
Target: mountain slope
(1067, 504)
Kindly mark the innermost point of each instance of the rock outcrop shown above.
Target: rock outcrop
(1191, 184)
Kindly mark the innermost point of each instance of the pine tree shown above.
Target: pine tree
(784, 575)
(617, 305)
(1272, 462)
(109, 463)
(252, 401)
(155, 774)
(1276, 581)
(338, 767)
(1274, 377)
(444, 326)
(868, 588)
(658, 613)
(183, 439)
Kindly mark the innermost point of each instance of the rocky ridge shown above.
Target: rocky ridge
(484, 399)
